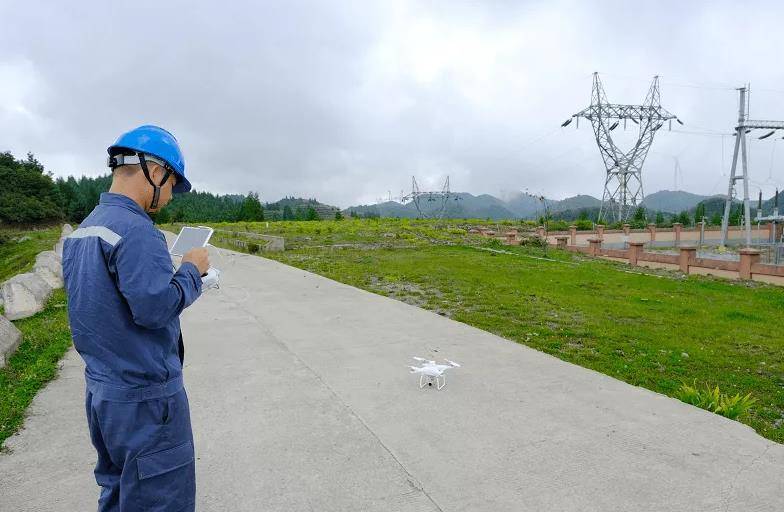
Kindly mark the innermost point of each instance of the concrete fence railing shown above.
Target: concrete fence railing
(686, 261)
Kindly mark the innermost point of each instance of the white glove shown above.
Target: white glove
(211, 280)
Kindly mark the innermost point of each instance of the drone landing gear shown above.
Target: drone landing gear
(427, 380)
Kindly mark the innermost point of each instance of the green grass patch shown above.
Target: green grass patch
(46, 337)
(368, 233)
(18, 249)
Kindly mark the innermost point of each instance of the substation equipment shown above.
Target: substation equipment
(744, 127)
(623, 190)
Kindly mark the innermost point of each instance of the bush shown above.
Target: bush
(584, 225)
(253, 248)
(712, 399)
(533, 241)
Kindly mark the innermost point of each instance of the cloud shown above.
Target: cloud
(345, 101)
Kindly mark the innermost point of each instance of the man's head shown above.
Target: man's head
(148, 154)
(129, 180)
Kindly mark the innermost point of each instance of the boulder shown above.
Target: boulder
(58, 249)
(25, 295)
(10, 338)
(45, 256)
(47, 265)
(67, 230)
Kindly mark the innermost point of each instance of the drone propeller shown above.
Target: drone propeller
(452, 363)
(423, 360)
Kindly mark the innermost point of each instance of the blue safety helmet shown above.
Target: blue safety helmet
(146, 143)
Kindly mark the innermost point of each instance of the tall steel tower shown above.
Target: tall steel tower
(623, 190)
(439, 197)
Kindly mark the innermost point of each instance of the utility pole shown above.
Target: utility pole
(744, 126)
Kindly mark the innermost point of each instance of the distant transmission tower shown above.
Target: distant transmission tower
(623, 184)
(441, 197)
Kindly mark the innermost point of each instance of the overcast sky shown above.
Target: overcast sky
(345, 101)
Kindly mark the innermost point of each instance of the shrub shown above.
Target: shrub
(712, 399)
(253, 248)
(533, 241)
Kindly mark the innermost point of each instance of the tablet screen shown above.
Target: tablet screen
(190, 238)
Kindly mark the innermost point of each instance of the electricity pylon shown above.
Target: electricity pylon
(440, 197)
(623, 190)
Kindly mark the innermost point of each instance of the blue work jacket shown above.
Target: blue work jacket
(124, 297)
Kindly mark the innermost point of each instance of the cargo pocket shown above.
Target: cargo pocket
(167, 478)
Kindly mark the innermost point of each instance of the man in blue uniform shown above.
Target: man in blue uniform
(124, 303)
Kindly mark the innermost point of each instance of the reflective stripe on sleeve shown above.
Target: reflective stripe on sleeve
(105, 234)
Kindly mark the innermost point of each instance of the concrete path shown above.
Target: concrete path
(301, 401)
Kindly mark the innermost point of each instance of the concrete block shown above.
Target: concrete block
(10, 338)
(25, 295)
(748, 257)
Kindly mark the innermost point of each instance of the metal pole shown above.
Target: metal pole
(739, 132)
(746, 207)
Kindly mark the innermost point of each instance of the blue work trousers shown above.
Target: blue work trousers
(145, 447)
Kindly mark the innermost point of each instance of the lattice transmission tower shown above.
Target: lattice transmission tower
(623, 190)
(440, 197)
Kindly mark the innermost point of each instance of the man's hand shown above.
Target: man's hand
(198, 257)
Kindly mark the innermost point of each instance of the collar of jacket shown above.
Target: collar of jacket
(110, 198)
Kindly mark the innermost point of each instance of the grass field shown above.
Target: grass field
(19, 248)
(45, 336)
(652, 329)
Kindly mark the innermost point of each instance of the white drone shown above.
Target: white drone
(430, 372)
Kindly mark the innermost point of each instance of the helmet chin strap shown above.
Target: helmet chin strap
(156, 194)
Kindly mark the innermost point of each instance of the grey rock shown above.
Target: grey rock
(47, 256)
(10, 338)
(67, 230)
(25, 295)
(47, 265)
(58, 249)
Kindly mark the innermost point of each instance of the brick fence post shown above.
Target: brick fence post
(635, 248)
(627, 229)
(677, 226)
(573, 234)
(594, 246)
(561, 241)
(511, 237)
(748, 257)
(600, 231)
(686, 258)
(771, 232)
(652, 231)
